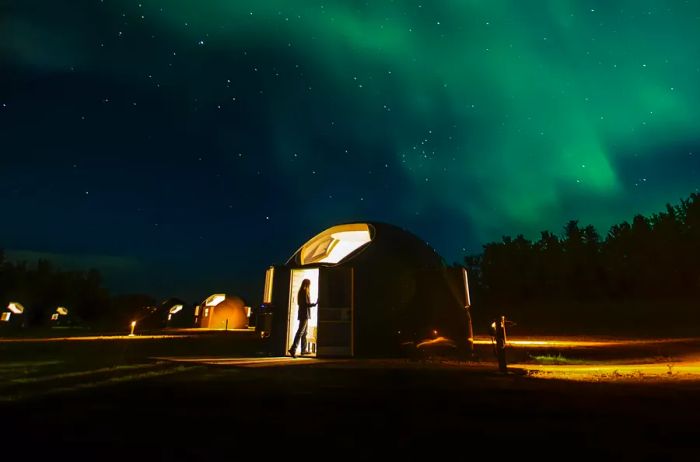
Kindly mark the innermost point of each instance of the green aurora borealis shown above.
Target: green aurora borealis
(459, 120)
(514, 110)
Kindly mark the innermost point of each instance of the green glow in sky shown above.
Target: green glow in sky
(510, 116)
(512, 111)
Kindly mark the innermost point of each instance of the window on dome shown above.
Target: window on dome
(336, 243)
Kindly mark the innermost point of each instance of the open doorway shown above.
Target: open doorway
(296, 277)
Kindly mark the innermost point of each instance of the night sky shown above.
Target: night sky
(184, 146)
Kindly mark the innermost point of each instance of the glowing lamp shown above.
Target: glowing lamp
(54, 317)
(467, 299)
(269, 277)
(133, 325)
(63, 311)
(175, 309)
(5, 317)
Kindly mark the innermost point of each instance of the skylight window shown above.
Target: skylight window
(336, 243)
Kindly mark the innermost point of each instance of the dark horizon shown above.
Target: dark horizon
(644, 239)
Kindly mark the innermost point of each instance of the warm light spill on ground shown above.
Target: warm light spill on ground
(276, 361)
(678, 370)
(89, 338)
(577, 342)
(171, 333)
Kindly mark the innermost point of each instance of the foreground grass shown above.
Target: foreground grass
(19, 388)
(559, 360)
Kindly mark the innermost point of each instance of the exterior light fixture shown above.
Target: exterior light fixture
(133, 325)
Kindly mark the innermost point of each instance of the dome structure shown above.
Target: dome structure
(221, 311)
(388, 286)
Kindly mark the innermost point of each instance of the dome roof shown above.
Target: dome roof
(357, 241)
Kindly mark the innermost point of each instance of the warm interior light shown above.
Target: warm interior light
(133, 323)
(334, 244)
(5, 317)
(215, 299)
(296, 278)
(63, 311)
(269, 276)
(175, 309)
(467, 299)
(16, 308)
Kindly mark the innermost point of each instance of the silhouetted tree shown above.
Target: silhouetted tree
(652, 260)
(43, 288)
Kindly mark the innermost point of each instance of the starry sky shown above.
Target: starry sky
(182, 146)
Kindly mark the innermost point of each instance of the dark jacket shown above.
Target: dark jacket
(304, 305)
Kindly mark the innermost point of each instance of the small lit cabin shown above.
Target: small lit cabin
(176, 313)
(380, 290)
(15, 315)
(221, 311)
(61, 317)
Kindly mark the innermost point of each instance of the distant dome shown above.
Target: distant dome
(222, 311)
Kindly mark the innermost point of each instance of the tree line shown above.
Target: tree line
(42, 287)
(651, 261)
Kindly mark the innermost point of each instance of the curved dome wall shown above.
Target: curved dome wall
(403, 291)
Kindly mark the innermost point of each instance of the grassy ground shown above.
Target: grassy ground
(82, 399)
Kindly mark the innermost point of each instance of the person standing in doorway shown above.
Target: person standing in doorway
(304, 302)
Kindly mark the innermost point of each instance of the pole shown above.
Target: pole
(470, 338)
(501, 344)
(226, 328)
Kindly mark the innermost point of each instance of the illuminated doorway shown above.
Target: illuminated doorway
(296, 278)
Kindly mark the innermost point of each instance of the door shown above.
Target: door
(297, 276)
(335, 312)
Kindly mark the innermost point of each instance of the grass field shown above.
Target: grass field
(83, 397)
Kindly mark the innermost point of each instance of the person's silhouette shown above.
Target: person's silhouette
(304, 302)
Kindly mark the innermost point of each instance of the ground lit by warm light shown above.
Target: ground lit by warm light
(676, 370)
(169, 334)
(592, 359)
(576, 342)
(599, 359)
(276, 361)
(87, 338)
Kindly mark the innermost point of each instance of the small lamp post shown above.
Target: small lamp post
(133, 325)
